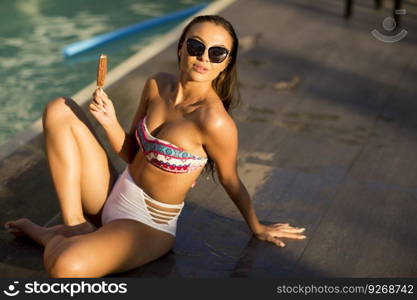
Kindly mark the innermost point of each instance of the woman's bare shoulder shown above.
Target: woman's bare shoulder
(215, 117)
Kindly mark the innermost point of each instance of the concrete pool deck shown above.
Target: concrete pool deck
(327, 134)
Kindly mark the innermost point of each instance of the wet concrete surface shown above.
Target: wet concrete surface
(327, 134)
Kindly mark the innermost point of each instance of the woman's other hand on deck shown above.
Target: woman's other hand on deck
(101, 107)
(272, 233)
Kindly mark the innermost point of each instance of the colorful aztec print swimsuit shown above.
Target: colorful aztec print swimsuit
(165, 155)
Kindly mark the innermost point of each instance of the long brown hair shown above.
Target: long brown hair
(226, 83)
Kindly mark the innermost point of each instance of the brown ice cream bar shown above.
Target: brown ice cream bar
(101, 70)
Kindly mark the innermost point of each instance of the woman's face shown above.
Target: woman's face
(200, 68)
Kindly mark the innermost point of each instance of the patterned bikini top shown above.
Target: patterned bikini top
(165, 155)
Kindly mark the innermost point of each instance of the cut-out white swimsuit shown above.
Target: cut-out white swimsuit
(128, 201)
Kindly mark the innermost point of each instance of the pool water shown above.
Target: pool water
(33, 33)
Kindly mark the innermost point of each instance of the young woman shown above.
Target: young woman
(115, 223)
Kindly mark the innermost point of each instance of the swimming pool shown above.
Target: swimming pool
(33, 33)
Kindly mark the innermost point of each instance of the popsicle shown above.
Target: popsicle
(101, 70)
(101, 73)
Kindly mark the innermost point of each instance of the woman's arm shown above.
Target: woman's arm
(124, 144)
(221, 143)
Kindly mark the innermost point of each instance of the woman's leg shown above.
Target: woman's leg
(81, 171)
(118, 246)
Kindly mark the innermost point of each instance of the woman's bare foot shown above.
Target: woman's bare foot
(13, 228)
(24, 226)
(40, 234)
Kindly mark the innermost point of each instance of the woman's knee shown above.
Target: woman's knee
(57, 110)
(67, 262)
(68, 267)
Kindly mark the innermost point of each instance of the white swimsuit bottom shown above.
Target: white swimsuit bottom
(128, 201)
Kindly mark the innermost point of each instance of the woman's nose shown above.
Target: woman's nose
(204, 57)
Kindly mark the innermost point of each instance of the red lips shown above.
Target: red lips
(199, 68)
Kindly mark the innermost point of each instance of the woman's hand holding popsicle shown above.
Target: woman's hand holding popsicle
(101, 107)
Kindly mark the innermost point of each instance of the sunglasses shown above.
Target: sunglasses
(216, 54)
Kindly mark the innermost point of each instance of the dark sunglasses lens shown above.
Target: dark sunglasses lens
(217, 54)
(194, 47)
